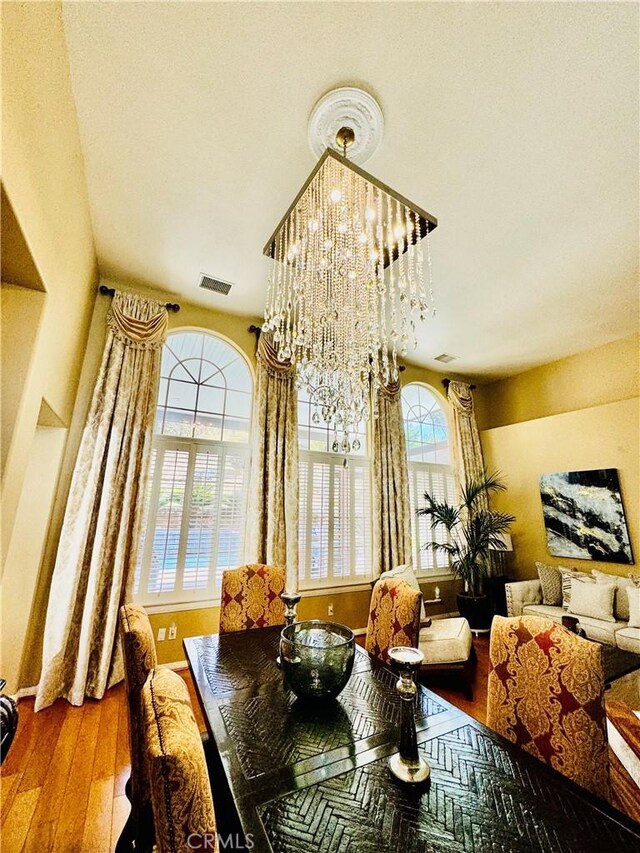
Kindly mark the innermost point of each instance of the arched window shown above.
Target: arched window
(429, 461)
(335, 504)
(196, 499)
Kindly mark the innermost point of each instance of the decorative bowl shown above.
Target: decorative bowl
(317, 658)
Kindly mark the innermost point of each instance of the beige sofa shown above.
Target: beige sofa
(526, 597)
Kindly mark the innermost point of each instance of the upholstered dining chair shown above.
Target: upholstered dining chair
(546, 694)
(394, 617)
(251, 598)
(183, 812)
(139, 654)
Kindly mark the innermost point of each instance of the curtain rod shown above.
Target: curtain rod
(111, 291)
(446, 382)
(257, 331)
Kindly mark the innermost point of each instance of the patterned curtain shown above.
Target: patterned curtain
(391, 514)
(468, 461)
(96, 555)
(272, 519)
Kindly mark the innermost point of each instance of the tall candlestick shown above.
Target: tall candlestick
(407, 764)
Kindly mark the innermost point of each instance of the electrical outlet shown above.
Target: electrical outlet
(173, 630)
(330, 610)
(162, 633)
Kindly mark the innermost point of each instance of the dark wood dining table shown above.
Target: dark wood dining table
(313, 777)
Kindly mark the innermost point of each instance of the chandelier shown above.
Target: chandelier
(349, 279)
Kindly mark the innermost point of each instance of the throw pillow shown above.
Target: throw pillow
(621, 601)
(567, 576)
(551, 583)
(592, 599)
(407, 574)
(633, 595)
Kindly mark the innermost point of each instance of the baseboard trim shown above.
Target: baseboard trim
(176, 664)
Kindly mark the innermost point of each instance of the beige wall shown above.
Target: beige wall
(592, 378)
(24, 557)
(43, 343)
(576, 414)
(21, 311)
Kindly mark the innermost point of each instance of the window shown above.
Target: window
(196, 502)
(429, 462)
(335, 505)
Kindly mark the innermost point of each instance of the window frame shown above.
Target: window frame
(308, 458)
(189, 599)
(414, 468)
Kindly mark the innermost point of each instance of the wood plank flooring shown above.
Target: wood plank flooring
(63, 781)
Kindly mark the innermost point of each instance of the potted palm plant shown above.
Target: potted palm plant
(473, 532)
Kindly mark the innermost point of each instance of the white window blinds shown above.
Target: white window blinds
(428, 456)
(335, 507)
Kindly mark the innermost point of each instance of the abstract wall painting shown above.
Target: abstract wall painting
(584, 516)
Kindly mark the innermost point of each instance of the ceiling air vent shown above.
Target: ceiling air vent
(445, 358)
(215, 284)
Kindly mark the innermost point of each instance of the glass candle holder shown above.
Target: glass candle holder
(407, 764)
(290, 600)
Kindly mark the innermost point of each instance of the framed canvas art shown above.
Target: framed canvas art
(584, 516)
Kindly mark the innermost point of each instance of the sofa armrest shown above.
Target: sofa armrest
(520, 593)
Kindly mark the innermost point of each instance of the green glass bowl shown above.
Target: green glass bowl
(317, 658)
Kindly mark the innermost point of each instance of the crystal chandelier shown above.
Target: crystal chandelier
(348, 281)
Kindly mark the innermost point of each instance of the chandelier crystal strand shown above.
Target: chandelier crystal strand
(392, 295)
(413, 301)
(337, 304)
(432, 304)
(400, 233)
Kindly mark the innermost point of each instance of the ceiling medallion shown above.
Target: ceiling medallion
(352, 108)
(350, 277)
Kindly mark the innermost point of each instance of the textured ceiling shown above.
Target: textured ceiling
(514, 123)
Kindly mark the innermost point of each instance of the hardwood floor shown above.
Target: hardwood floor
(64, 778)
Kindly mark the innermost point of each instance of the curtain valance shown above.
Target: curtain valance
(268, 358)
(138, 322)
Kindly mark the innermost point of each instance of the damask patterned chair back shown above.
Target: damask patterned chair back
(183, 812)
(546, 694)
(251, 598)
(394, 617)
(139, 653)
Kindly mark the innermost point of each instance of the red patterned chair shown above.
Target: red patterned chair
(546, 694)
(394, 617)
(251, 598)
(183, 810)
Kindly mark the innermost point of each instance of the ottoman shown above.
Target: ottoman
(446, 646)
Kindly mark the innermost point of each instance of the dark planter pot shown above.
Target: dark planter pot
(476, 610)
